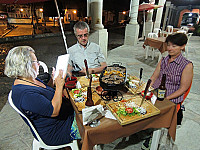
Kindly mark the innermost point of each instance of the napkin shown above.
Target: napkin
(153, 99)
(91, 113)
(109, 115)
(78, 85)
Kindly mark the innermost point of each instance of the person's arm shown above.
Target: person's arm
(57, 99)
(156, 73)
(69, 70)
(186, 80)
(51, 82)
(94, 70)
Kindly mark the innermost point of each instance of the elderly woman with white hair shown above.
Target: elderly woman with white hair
(43, 105)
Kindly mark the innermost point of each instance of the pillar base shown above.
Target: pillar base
(100, 37)
(98, 26)
(131, 34)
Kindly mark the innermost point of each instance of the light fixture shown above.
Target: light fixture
(74, 11)
(41, 10)
(124, 12)
(21, 9)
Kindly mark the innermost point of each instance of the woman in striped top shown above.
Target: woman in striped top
(178, 70)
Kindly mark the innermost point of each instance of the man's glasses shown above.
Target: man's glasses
(82, 35)
(35, 61)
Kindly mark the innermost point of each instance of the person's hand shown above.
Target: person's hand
(60, 80)
(53, 74)
(83, 71)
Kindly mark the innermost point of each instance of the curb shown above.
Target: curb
(26, 37)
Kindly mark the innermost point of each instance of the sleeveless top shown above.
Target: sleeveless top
(173, 73)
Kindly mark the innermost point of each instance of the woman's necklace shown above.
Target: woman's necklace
(34, 84)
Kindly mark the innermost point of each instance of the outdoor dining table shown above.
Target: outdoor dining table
(158, 43)
(110, 130)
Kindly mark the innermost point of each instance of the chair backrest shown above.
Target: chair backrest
(184, 97)
(157, 30)
(185, 28)
(170, 29)
(182, 31)
(152, 35)
(44, 66)
(29, 122)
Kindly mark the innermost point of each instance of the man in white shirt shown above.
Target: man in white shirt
(84, 49)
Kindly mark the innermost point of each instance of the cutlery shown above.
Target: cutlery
(145, 91)
(86, 67)
(141, 69)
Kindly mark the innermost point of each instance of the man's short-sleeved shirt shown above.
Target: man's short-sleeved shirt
(92, 53)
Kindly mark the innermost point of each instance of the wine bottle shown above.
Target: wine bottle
(162, 89)
(89, 101)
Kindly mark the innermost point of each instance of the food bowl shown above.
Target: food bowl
(100, 91)
(148, 95)
(70, 84)
(72, 79)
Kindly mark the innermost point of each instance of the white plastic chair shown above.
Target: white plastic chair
(37, 144)
(181, 31)
(185, 28)
(157, 31)
(189, 35)
(170, 29)
(151, 35)
(44, 66)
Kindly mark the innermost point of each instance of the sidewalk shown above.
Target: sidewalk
(15, 134)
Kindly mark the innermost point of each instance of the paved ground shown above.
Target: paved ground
(15, 135)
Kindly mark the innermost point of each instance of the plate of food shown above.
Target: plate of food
(95, 77)
(128, 110)
(135, 86)
(79, 96)
(148, 95)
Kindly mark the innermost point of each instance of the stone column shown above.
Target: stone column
(132, 29)
(98, 35)
(170, 14)
(149, 23)
(95, 9)
(173, 16)
(159, 14)
(168, 3)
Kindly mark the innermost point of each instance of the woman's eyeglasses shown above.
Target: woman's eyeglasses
(82, 35)
(36, 61)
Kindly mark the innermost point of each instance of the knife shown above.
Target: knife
(141, 69)
(86, 67)
(145, 91)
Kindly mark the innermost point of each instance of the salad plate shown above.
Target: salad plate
(128, 111)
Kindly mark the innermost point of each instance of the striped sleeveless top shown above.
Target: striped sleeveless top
(173, 73)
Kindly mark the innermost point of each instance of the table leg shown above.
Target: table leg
(155, 139)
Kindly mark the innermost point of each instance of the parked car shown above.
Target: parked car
(190, 19)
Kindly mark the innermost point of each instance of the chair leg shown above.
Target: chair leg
(36, 144)
(95, 147)
(153, 53)
(186, 51)
(147, 50)
(74, 145)
(160, 56)
(155, 139)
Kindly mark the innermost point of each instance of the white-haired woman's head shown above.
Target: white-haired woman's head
(18, 63)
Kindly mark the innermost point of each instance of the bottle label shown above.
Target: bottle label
(161, 93)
